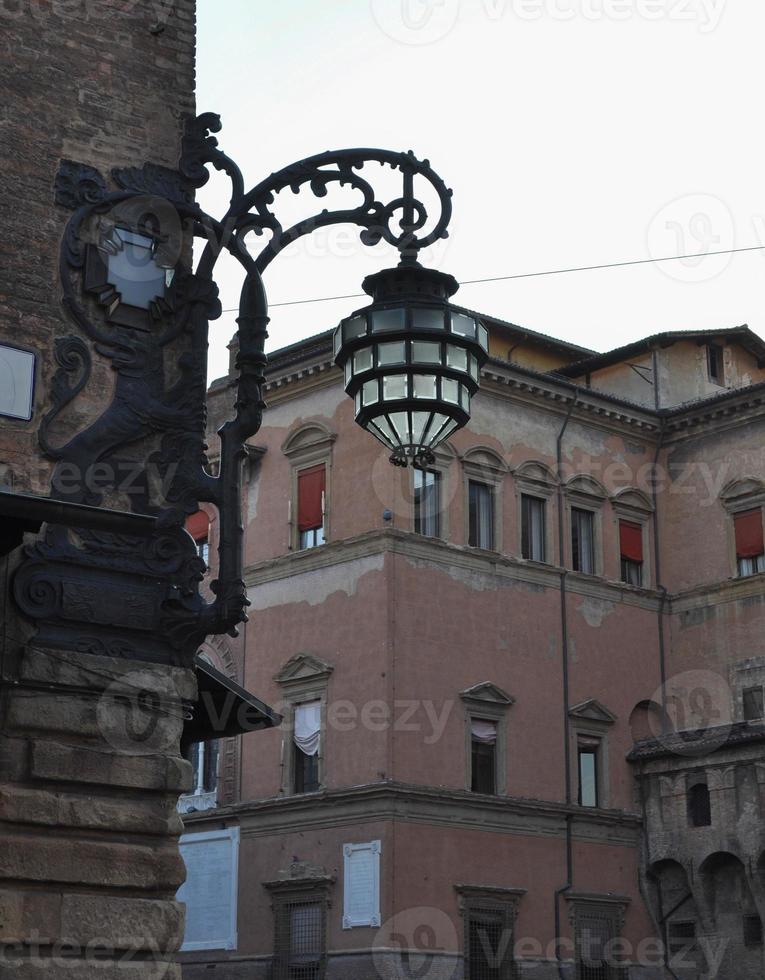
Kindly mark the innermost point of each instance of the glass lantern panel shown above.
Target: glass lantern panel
(424, 386)
(394, 387)
(450, 391)
(362, 360)
(464, 398)
(427, 319)
(383, 320)
(337, 340)
(400, 425)
(463, 325)
(473, 362)
(419, 422)
(355, 327)
(370, 393)
(394, 352)
(384, 426)
(348, 370)
(374, 428)
(436, 428)
(426, 352)
(447, 430)
(457, 358)
(483, 337)
(358, 402)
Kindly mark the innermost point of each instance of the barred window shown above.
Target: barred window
(300, 944)
(595, 956)
(489, 940)
(752, 930)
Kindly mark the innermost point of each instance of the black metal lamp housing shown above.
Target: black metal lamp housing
(411, 360)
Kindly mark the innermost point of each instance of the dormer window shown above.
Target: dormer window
(715, 367)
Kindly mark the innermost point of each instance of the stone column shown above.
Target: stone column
(90, 773)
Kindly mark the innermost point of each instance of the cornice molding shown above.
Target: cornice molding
(408, 803)
(448, 557)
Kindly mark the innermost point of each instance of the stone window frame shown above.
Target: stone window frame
(473, 899)
(742, 676)
(302, 679)
(535, 479)
(585, 493)
(308, 446)
(592, 719)
(738, 497)
(303, 884)
(480, 464)
(487, 701)
(635, 506)
(444, 457)
(587, 905)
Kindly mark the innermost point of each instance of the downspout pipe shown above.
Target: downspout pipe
(659, 584)
(565, 676)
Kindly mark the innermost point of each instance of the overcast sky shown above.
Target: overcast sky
(572, 132)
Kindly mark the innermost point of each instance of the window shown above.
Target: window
(631, 549)
(198, 526)
(311, 484)
(699, 805)
(489, 925)
(300, 943)
(583, 540)
(752, 930)
(17, 382)
(588, 751)
(203, 550)
(361, 884)
(750, 542)
(305, 747)
(203, 794)
(597, 924)
(481, 515)
(483, 751)
(715, 367)
(754, 704)
(533, 531)
(427, 503)
(681, 938)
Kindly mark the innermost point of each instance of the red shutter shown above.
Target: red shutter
(631, 540)
(749, 536)
(311, 484)
(198, 525)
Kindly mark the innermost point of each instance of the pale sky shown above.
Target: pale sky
(572, 132)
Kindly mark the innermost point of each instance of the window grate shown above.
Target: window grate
(593, 934)
(299, 946)
(489, 945)
(752, 930)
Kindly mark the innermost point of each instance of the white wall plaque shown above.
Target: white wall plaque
(361, 884)
(210, 889)
(17, 381)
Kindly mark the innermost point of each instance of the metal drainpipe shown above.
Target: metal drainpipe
(659, 584)
(564, 662)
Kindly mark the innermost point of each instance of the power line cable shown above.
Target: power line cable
(531, 275)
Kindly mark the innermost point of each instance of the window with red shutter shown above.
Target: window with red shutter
(198, 526)
(311, 491)
(750, 542)
(631, 548)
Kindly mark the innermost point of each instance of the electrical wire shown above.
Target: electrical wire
(532, 275)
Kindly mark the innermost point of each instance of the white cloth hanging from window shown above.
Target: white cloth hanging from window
(483, 731)
(308, 727)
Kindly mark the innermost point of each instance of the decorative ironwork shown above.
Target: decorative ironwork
(140, 596)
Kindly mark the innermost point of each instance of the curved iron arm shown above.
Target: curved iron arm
(144, 405)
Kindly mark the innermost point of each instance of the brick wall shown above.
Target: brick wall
(103, 82)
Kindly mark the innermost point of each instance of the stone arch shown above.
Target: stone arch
(587, 485)
(633, 499)
(484, 457)
(726, 888)
(534, 471)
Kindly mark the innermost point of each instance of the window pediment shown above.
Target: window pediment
(303, 668)
(743, 493)
(586, 486)
(483, 461)
(633, 500)
(308, 439)
(487, 694)
(592, 710)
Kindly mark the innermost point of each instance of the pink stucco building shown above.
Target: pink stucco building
(482, 670)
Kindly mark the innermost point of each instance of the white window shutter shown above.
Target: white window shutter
(361, 884)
